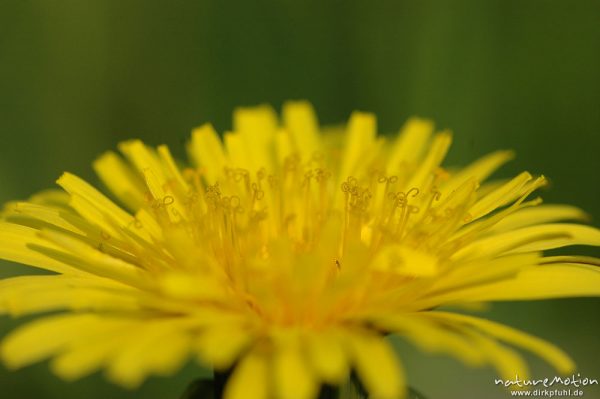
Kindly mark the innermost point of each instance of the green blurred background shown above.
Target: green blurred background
(78, 76)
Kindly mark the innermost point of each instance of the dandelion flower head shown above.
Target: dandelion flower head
(286, 252)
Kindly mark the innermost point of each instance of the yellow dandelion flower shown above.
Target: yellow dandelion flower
(285, 253)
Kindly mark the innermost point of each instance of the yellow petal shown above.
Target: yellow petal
(565, 235)
(529, 239)
(51, 197)
(108, 227)
(292, 376)
(410, 144)
(500, 196)
(327, 356)
(432, 337)
(553, 355)
(192, 286)
(256, 127)
(236, 151)
(85, 358)
(404, 260)
(465, 274)
(76, 186)
(542, 282)
(143, 158)
(97, 262)
(538, 215)
(361, 132)
(178, 182)
(221, 345)
(478, 170)
(479, 228)
(300, 120)
(377, 365)
(433, 159)
(42, 338)
(250, 379)
(30, 294)
(570, 260)
(17, 244)
(120, 179)
(146, 221)
(168, 199)
(283, 146)
(159, 347)
(459, 198)
(36, 215)
(507, 362)
(206, 151)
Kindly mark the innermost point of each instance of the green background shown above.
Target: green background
(78, 76)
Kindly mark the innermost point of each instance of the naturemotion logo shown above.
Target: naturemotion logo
(558, 383)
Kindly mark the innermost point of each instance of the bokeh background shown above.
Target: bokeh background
(77, 76)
